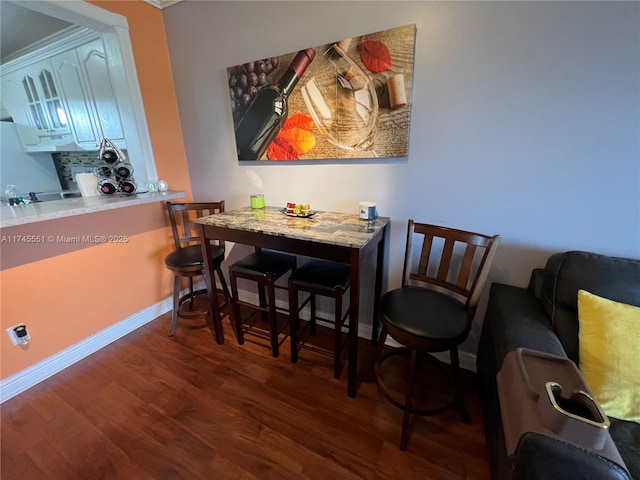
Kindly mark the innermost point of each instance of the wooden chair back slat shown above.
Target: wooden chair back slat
(467, 264)
(182, 217)
(445, 260)
(425, 255)
(450, 259)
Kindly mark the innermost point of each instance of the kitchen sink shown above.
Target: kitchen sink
(48, 196)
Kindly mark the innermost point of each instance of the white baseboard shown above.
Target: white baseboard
(30, 376)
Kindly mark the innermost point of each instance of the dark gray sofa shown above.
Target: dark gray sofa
(544, 317)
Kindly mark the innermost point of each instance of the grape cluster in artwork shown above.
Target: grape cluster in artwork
(245, 81)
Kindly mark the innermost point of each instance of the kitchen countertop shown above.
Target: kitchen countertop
(41, 211)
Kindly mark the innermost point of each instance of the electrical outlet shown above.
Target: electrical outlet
(18, 334)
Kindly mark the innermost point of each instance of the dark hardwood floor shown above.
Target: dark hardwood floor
(153, 407)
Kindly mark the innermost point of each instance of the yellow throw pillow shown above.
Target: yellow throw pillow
(609, 339)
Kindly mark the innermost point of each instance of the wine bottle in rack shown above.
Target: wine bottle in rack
(128, 185)
(124, 170)
(267, 113)
(107, 186)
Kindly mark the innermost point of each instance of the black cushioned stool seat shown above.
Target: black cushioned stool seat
(265, 268)
(398, 301)
(318, 277)
(191, 257)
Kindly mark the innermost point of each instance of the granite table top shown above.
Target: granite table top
(333, 228)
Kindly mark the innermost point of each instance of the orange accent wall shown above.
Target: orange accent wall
(65, 298)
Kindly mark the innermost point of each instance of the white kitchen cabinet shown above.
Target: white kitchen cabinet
(67, 70)
(63, 98)
(83, 75)
(32, 96)
(14, 98)
(103, 98)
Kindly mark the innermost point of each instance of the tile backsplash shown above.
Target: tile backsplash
(69, 163)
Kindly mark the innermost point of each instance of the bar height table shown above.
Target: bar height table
(340, 237)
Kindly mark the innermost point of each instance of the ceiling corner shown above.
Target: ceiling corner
(162, 3)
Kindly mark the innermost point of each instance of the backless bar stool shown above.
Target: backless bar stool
(265, 268)
(318, 277)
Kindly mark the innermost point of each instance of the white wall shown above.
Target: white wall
(29, 172)
(525, 120)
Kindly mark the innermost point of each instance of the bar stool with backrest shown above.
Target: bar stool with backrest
(328, 279)
(433, 309)
(264, 267)
(186, 260)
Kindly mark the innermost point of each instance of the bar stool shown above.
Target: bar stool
(186, 260)
(265, 268)
(328, 279)
(432, 310)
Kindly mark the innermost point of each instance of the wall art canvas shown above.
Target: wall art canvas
(343, 100)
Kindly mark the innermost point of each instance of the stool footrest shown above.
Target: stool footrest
(312, 348)
(303, 344)
(256, 331)
(258, 308)
(188, 296)
(436, 410)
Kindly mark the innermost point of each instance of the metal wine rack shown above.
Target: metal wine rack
(114, 172)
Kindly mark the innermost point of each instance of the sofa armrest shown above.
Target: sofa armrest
(514, 318)
(517, 320)
(541, 458)
(536, 282)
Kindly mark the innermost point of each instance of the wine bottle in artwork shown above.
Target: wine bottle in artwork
(267, 113)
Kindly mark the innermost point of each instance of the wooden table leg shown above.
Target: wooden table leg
(354, 316)
(214, 320)
(377, 292)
